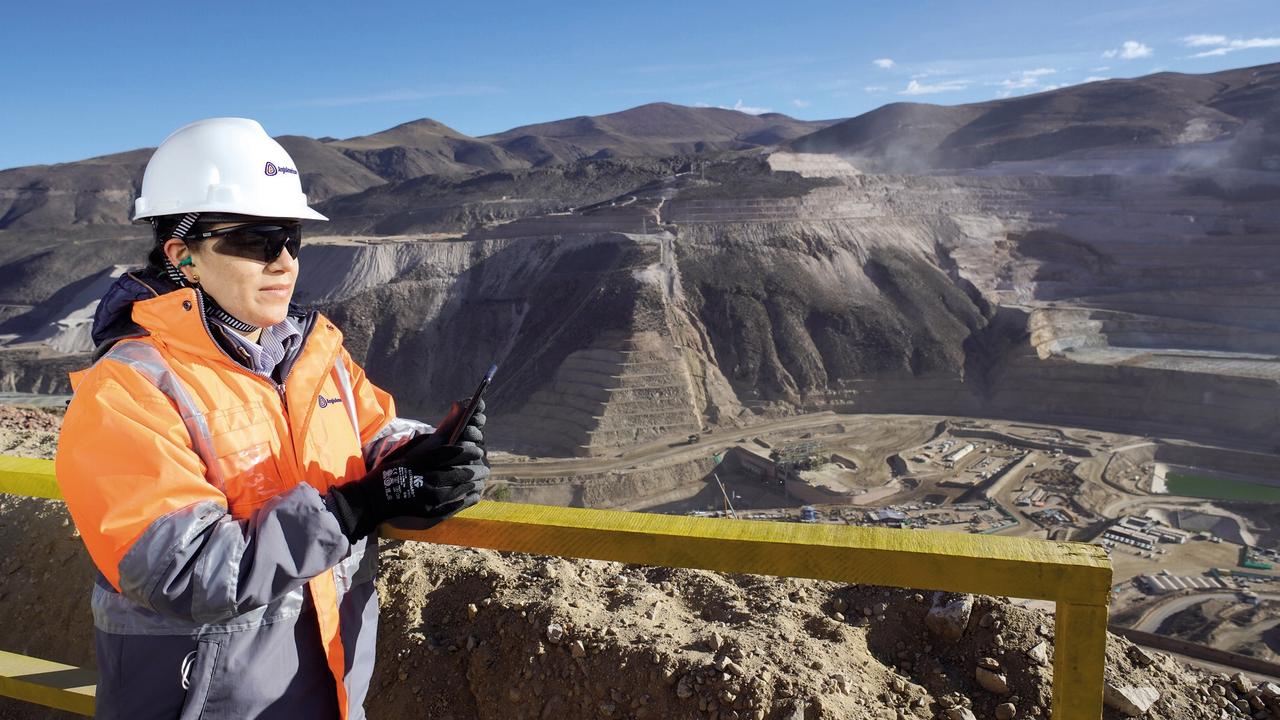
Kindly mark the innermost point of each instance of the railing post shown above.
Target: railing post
(1079, 656)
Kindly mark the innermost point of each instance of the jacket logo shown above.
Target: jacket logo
(326, 402)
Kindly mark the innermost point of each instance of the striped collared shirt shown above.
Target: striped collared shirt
(263, 356)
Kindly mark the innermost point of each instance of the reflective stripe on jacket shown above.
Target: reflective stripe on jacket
(196, 486)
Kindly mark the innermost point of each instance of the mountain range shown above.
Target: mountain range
(99, 190)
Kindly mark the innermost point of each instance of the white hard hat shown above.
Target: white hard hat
(222, 165)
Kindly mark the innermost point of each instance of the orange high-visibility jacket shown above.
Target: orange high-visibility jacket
(227, 588)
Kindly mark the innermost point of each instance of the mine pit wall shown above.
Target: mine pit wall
(1200, 652)
(1263, 467)
(1238, 412)
(38, 371)
(1067, 448)
(607, 490)
(426, 317)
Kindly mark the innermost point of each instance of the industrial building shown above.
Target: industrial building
(964, 450)
(1169, 535)
(1160, 584)
(1150, 527)
(1121, 534)
(1035, 496)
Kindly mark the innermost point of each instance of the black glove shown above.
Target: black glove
(430, 483)
(472, 433)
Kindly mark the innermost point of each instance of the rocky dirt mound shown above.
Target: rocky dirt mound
(29, 431)
(478, 634)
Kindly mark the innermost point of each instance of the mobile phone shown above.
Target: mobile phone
(470, 409)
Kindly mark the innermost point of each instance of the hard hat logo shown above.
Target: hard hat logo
(272, 169)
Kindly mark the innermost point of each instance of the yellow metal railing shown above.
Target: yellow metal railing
(1077, 577)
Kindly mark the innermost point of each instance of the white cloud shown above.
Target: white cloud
(875, 88)
(1202, 40)
(1103, 68)
(801, 103)
(1230, 46)
(1017, 83)
(1095, 78)
(748, 109)
(916, 87)
(1024, 79)
(883, 63)
(1129, 50)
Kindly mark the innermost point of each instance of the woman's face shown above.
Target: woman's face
(251, 290)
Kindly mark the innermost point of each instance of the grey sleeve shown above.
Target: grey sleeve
(202, 564)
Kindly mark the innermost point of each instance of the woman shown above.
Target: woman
(216, 457)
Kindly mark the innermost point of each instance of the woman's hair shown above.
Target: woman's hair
(164, 227)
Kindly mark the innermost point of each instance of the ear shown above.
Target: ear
(176, 250)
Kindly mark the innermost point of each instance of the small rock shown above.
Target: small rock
(948, 618)
(577, 649)
(840, 605)
(1242, 682)
(795, 711)
(1139, 657)
(992, 682)
(989, 663)
(837, 616)
(1130, 700)
(715, 642)
(1006, 711)
(555, 633)
(472, 611)
(960, 713)
(1039, 654)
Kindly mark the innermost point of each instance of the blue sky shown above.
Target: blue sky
(90, 78)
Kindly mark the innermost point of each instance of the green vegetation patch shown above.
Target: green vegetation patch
(1215, 488)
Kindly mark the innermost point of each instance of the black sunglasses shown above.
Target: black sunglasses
(255, 241)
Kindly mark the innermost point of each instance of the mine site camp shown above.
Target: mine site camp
(698, 361)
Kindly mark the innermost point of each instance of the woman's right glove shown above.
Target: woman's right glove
(430, 483)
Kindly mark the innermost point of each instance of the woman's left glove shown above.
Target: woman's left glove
(428, 483)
